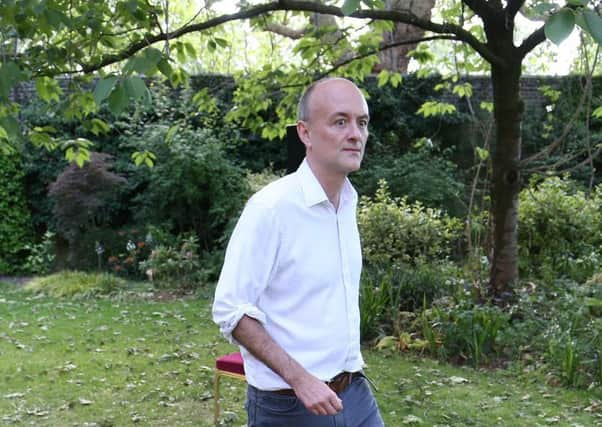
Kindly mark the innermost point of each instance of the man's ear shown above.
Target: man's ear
(303, 132)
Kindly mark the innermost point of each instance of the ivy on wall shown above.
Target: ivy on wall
(15, 226)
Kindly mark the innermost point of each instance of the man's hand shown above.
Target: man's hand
(317, 397)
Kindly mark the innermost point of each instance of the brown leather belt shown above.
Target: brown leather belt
(337, 384)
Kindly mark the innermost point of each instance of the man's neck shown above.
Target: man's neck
(332, 183)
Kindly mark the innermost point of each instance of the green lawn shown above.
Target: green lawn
(136, 361)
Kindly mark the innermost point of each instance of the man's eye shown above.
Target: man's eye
(364, 123)
(340, 122)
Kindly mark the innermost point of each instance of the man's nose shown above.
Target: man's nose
(355, 132)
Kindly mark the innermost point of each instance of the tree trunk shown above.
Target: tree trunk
(396, 58)
(508, 110)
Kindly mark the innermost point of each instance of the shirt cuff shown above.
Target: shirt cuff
(228, 326)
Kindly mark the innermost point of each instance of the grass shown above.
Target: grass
(130, 360)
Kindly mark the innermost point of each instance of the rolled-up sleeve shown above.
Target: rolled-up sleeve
(251, 257)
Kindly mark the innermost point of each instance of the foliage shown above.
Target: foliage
(466, 332)
(15, 226)
(560, 230)
(387, 293)
(41, 255)
(259, 180)
(394, 230)
(81, 193)
(193, 187)
(421, 176)
(75, 284)
(174, 267)
(560, 324)
(126, 250)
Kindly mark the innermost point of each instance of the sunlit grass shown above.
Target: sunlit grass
(133, 360)
(75, 283)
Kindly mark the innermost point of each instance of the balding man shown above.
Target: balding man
(288, 290)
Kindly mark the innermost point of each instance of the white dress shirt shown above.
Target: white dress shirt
(293, 263)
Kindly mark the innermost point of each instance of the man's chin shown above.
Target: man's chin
(353, 166)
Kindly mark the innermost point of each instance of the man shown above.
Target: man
(288, 291)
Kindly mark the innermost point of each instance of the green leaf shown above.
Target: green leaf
(144, 63)
(560, 25)
(482, 153)
(10, 74)
(146, 157)
(78, 150)
(165, 68)
(594, 25)
(463, 90)
(97, 126)
(487, 106)
(350, 6)
(577, 3)
(170, 133)
(48, 89)
(434, 108)
(543, 8)
(103, 88)
(383, 78)
(118, 99)
(396, 79)
(221, 42)
(135, 88)
(597, 113)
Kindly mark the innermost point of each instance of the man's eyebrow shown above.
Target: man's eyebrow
(344, 114)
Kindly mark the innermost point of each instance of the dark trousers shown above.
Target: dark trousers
(269, 409)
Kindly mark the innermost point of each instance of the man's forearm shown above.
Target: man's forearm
(252, 335)
(315, 394)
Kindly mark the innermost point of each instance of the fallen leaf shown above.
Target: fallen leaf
(14, 396)
(457, 380)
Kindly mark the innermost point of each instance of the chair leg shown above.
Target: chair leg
(216, 398)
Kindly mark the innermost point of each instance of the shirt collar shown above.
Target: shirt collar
(312, 189)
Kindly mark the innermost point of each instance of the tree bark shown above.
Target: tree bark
(506, 154)
(506, 181)
(396, 58)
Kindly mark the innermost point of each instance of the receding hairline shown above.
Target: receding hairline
(304, 101)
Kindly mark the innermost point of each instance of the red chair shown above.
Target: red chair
(229, 365)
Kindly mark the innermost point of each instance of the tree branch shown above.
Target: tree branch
(480, 7)
(285, 31)
(512, 8)
(535, 38)
(385, 47)
(564, 160)
(458, 32)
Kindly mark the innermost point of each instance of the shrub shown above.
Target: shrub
(75, 284)
(394, 231)
(128, 248)
(387, 291)
(174, 267)
(420, 176)
(15, 225)
(81, 197)
(560, 324)
(560, 230)
(41, 255)
(193, 186)
(466, 332)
